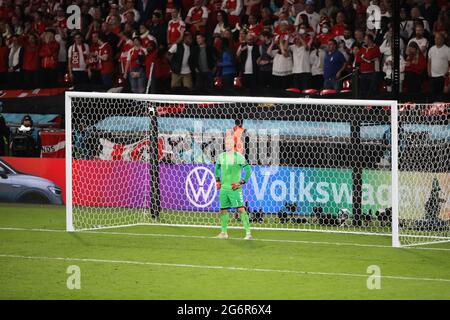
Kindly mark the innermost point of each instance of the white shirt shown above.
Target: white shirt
(317, 62)
(440, 59)
(185, 69)
(83, 50)
(314, 19)
(301, 59)
(248, 62)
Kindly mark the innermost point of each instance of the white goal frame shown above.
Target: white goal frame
(238, 99)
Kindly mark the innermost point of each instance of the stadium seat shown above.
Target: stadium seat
(310, 91)
(294, 90)
(325, 92)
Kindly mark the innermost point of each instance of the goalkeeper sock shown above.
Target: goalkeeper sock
(245, 222)
(224, 217)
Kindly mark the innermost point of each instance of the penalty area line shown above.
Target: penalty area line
(231, 268)
(161, 235)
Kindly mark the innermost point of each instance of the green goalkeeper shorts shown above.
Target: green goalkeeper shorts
(231, 198)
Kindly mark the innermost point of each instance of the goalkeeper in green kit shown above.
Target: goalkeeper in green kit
(228, 173)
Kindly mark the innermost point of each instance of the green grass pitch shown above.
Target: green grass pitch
(154, 262)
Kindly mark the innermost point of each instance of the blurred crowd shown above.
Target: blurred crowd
(203, 44)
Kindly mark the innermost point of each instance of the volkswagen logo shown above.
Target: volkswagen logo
(200, 187)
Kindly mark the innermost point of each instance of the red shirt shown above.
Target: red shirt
(124, 48)
(6, 13)
(325, 37)
(147, 39)
(256, 28)
(61, 22)
(175, 29)
(418, 67)
(368, 54)
(133, 55)
(338, 29)
(4, 52)
(106, 66)
(49, 55)
(39, 27)
(197, 14)
(31, 58)
(94, 60)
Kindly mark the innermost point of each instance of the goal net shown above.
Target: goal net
(349, 166)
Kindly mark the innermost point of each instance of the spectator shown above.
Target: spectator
(105, 57)
(252, 7)
(325, 36)
(233, 8)
(415, 67)
(248, 54)
(145, 8)
(171, 7)
(226, 65)
(129, 7)
(265, 60)
(359, 37)
(15, 63)
(197, 17)
(330, 10)
(282, 63)
(313, 17)
(334, 65)
(416, 16)
(317, 58)
(31, 63)
(146, 37)
(222, 23)
(181, 62)
(430, 11)
(175, 28)
(158, 28)
(421, 41)
(345, 43)
(129, 22)
(78, 67)
(204, 60)
(301, 63)
(125, 45)
(438, 66)
(368, 59)
(349, 12)
(254, 26)
(113, 39)
(49, 58)
(4, 53)
(135, 67)
(406, 24)
(94, 60)
(339, 27)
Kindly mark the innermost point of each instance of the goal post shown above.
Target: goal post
(328, 165)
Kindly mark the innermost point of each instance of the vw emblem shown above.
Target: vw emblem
(200, 187)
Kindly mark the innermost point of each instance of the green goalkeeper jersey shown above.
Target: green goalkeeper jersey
(229, 169)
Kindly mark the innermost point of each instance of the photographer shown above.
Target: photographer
(4, 133)
(25, 142)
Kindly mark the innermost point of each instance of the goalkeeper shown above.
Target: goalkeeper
(228, 171)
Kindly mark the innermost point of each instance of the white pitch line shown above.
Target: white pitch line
(232, 239)
(182, 265)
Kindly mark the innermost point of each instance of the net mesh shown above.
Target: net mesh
(319, 167)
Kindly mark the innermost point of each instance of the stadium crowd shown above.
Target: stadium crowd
(202, 44)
